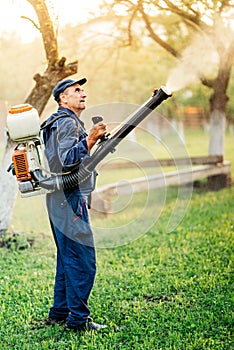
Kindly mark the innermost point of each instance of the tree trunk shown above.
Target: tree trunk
(8, 189)
(217, 133)
(218, 103)
(38, 98)
(56, 70)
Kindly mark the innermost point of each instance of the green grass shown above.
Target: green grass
(163, 291)
(169, 291)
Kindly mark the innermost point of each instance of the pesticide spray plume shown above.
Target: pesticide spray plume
(198, 59)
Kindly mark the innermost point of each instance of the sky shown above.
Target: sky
(67, 11)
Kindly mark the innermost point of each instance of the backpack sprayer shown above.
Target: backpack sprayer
(29, 164)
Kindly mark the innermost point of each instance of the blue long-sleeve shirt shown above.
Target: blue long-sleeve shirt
(65, 141)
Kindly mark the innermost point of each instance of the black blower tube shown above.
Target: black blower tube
(87, 166)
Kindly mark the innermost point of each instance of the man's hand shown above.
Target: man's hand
(96, 132)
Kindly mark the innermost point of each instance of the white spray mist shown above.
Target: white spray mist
(198, 58)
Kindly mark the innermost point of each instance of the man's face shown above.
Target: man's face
(73, 98)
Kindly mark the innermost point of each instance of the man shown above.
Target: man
(66, 145)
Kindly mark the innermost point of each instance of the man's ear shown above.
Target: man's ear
(63, 98)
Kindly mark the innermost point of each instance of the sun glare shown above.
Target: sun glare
(63, 12)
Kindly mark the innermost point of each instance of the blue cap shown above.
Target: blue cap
(64, 84)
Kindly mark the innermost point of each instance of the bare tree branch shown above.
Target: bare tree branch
(154, 36)
(130, 25)
(32, 21)
(195, 19)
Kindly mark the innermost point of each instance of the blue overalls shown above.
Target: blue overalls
(66, 146)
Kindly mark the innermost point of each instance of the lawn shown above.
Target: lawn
(164, 290)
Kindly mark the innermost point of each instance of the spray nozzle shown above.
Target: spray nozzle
(163, 89)
(166, 90)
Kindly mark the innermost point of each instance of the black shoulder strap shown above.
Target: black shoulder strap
(64, 115)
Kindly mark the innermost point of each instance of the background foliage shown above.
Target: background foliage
(127, 74)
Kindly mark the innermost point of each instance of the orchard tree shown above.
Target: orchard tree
(56, 70)
(173, 25)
